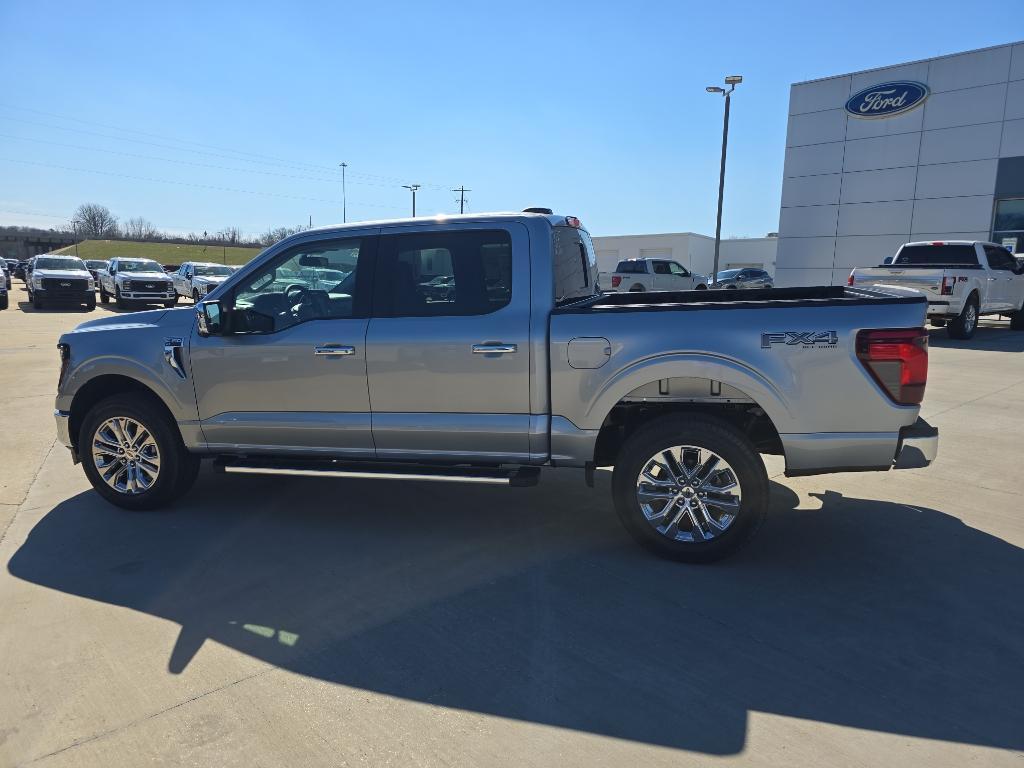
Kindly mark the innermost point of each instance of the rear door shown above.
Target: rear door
(449, 372)
(1001, 279)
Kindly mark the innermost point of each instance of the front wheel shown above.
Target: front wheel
(702, 287)
(1017, 319)
(121, 303)
(132, 453)
(104, 296)
(195, 296)
(690, 488)
(965, 324)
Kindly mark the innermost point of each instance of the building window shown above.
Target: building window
(1008, 229)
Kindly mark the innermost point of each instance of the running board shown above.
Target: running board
(518, 477)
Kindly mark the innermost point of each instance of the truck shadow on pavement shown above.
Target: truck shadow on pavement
(533, 604)
(992, 336)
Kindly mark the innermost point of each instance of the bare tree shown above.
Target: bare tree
(138, 228)
(92, 220)
(274, 234)
(229, 235)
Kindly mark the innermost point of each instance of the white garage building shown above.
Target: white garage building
(693, 251)
(929, 150)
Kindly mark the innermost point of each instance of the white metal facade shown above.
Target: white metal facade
(855, 189)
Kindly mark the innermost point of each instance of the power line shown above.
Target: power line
(266, 159)
(190, 163)
(188, 184)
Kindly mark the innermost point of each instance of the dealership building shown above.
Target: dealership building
(928, 150)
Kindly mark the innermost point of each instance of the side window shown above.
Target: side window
(678, 269)
(1000, 258)
(575, 264)
(314, 281)
(661, 268)
(460, 272)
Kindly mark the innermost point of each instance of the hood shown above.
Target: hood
(150, 319)
(58, 273)
(144, 275)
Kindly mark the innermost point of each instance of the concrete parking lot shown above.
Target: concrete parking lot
(877, 619)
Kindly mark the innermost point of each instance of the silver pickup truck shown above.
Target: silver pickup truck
(521, 364)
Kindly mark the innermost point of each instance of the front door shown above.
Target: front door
(1001, 287)
(292, 378)
(448, 347)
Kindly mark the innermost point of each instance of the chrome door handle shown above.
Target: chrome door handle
(493, 349)
(334, 350)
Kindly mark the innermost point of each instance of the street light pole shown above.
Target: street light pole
(732, 81)
(412, 188)
(344, 195)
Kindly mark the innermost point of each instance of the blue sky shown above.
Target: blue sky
(206, 115)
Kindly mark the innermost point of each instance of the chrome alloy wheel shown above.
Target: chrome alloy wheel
(688, 493)
(126, 455)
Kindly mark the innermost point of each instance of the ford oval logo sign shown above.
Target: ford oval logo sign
(887, 99)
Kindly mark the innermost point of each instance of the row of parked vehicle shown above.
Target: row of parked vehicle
(638, 275)
(129, 282)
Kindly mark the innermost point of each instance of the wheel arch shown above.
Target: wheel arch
(103, 386)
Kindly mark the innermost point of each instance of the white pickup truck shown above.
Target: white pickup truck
(962, 279)
(637, 275)
(195, 279)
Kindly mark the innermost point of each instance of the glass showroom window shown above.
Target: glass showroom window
(1008, 228)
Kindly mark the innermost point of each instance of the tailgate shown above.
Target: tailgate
(928, 281)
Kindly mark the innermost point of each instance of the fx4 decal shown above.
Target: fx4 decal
(804, 339)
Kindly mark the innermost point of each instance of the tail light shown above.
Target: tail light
(898, 360)
(616, 279)
(849, 280)
(947, 285)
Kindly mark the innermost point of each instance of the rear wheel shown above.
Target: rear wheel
(690, 488)
(965, 324)
(702, 287)
(132, 453)
(636, 288)
(1017, 319)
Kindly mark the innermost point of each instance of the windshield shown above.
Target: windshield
(728, 274)
(67, 262)
(937, 253)
(139, 266)
(212, 270)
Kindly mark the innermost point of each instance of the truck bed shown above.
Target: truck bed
(758, 298)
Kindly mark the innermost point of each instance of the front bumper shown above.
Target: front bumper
(63, 419)
(918, 446)
(69, 296)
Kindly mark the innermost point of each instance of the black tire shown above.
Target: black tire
(178, 467)
(37, 303)
(637, 289)
(169, 304)
(1017, 319)
(121, 303)
(90, 304)
(965, 324)
(937, 322)
(4, 302)
(104, 296)
(195, 296)
(704, 432)
(702, 287)
(730, 287)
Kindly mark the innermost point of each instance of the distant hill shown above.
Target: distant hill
(164, 253)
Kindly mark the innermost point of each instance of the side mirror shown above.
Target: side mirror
(212, 316)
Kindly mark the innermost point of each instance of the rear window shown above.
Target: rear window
(632, 267)
(935, 255)
(575, 265)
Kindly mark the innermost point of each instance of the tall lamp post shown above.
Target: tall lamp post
(344, 196)
(412, 188)
(732, 81)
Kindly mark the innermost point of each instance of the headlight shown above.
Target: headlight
(126, 285)
(37, 282)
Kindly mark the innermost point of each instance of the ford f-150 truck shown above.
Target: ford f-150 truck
(523, 364)
(195, 279)
(136, 281)
(60, 279)
(962, 279)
